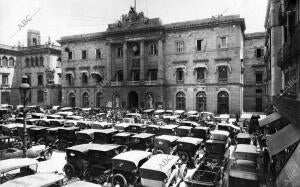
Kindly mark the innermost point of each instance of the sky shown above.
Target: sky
(57, 18)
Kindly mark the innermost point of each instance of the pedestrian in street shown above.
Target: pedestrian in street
(266, 160)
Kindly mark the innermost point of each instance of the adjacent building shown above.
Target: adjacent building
(254, 73)
(40, 63)
(140, 62)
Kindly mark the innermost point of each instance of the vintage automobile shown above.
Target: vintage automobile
(135, 116)
(71, 123)
(77, 160)
(183, 131)
(105, 136)
(162, 170)
(153, 129)
(165, 144)
(142, 141)
(194, 118)
(243, 173)
(36, 115)
(122, 126)
(8, 142)
(136, 127)
(201, 132)
(85, 136)
(26, 166)
(31, 121)
(11, 129)
(232, 129)
(54, 116)
(82, 124)
(220, 136)
(37, 134)
(169, 119)
(188, 149)
(38, 179)
(101, 125)
(123, 138)
(246, 152)
(243, 138)
(125, 168)
(100, 164)
(51, 136)
(72, 117)
(168, 129)
(189, 123)
(81, 184)
(66, 137)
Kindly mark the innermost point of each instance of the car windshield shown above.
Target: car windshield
(215, 148)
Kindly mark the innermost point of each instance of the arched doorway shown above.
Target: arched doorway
(223, 102)
(72, 100)
(133, 100)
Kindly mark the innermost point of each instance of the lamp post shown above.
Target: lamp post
(24, 92)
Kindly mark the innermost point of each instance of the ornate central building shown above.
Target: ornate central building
(140, 62)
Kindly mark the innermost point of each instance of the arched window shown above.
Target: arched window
(41, 61)
(201, 101)
(32, 61)
(223, 102)
(36, 61)
(179, 74)
(99, 97)
(72, 99)
(27, 64)
(11, 61)
(70, 78)
(119, 76)
(4, 61)
(84, 78)
(180, 101)
(85, 100)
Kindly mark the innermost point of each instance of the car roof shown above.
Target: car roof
(39, 128)
(133, 114)
(35, 180)
(244, 169)
(184, 127)
(82, 184)
(159, 111)
(12, 125)
(15, 163)
(69, 128)
(190, 140)
(143, 135)
(137, 124)
(243, 135)
(221, 132)
(104, 147)
(169, 117)
(89, 131)
(133, 156)
(124, 134)
(107, 131)
(246, 148)
(156, 126)
(122, 124)
(171, 126)
(157, 162)
(202, 128)
(216, 142)
(83, 147)
(167, 137)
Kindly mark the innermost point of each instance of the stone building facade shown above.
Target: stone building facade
(139, 62)
(254, 73)
(40, 63)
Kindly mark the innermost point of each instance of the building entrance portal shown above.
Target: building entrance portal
(133, 100)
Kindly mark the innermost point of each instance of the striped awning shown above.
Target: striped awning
(183, 67)
(96, 74)
(269, 119)
(69, 73)
(200, 65)
(282, 139)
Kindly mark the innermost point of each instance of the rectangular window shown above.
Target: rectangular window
(83, 54)
(259, 77)
(69, 55)
(135, 75)
(153, 49)
(222, 73)
(119, 52)
(199, 45)
(152, 75)
(179, 46)
(180, 75)
(98, 53)
(259, 52)
(200, 74)
(223, 42)
(4, 79)
(40, 80)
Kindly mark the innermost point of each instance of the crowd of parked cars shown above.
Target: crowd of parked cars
(121, 148)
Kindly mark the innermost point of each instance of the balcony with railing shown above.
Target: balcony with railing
(116, 83)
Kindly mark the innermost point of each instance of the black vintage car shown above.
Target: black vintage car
(51, 136)
(201, 132)
(66, 137)
(123, 138)
(77, 160)
(243, 138)
(183, 131)
(168, 129)
(136, 127)
(153, 129)
(85, 136)
(188, 150)
(99, 162)
(37, 134)
(104, 136)
(142, 141)
(165, 144)
(125, 168)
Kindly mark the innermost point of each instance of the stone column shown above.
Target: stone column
(125, 67)
(160, 73)
(142, 56)
(108, 66)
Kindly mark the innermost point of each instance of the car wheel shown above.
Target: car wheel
(184, 157)
(119, 180)
(159, 152)
(48, 155)
(69, 170)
